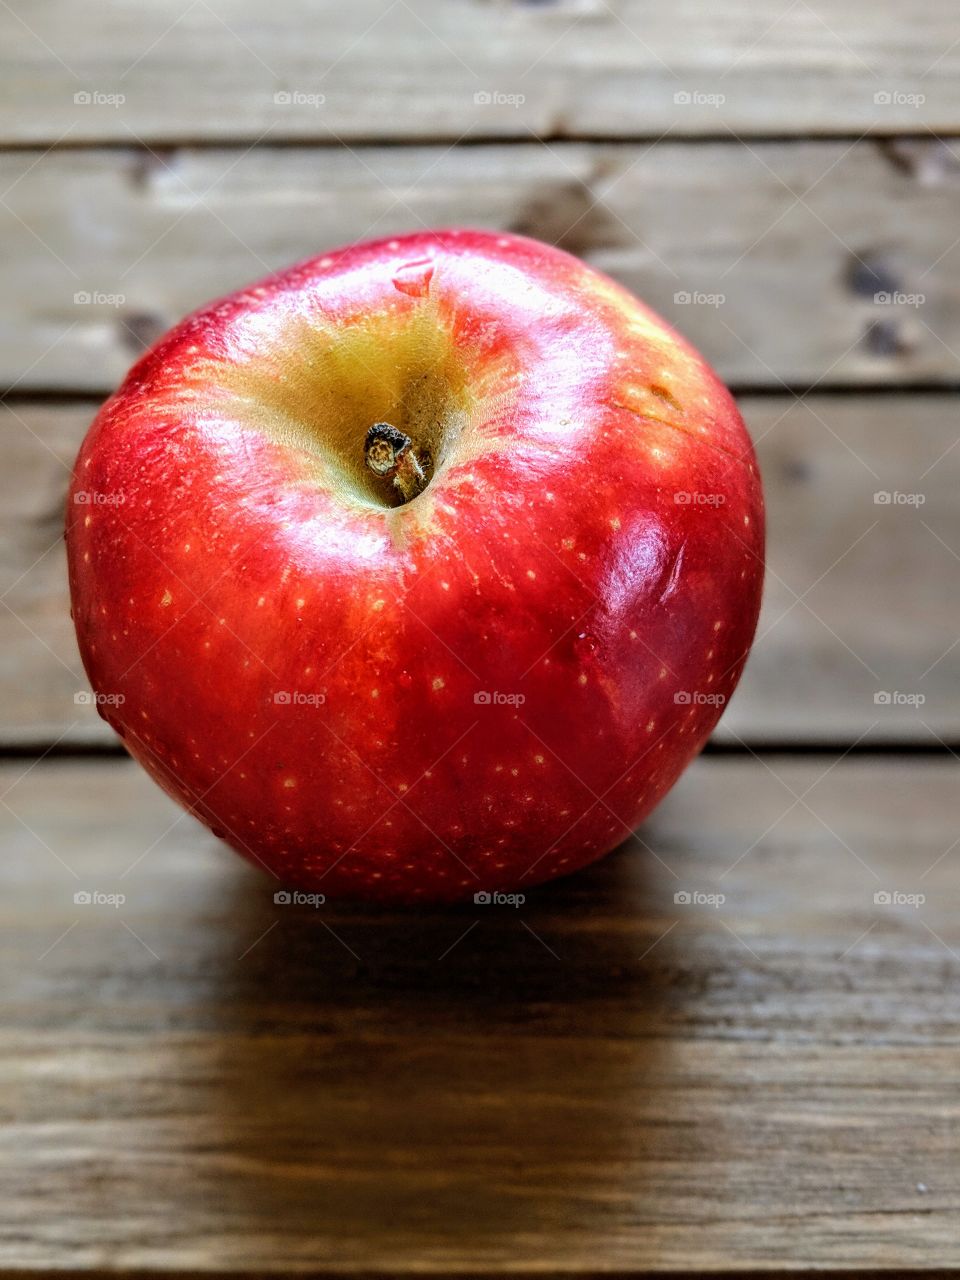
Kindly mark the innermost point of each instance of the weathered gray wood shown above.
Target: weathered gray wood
(601, 1080)
(862, 597)
(580, 67)
(40, 669)
(880, 583)
(796, 278)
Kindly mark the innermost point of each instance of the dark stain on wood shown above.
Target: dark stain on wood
(884, 338)
(570, 216)
(139, 330)
(870, 273)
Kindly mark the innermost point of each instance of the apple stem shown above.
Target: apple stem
(389, 453)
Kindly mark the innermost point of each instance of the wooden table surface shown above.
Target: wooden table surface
(733, 1045)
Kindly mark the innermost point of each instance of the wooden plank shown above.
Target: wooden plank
(565, 67)
(40, 670)
(603, 1080)
(849, 578)
(772, 288)
(861, 614)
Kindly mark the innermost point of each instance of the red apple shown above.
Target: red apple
(420, 688)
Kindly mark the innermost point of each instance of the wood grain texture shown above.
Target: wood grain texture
(768, 256)
(600, 1080)
(861, 598)
(212, 69)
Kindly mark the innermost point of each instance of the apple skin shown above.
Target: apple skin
(482, 689)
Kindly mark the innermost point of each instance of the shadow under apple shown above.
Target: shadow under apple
(447, 1080)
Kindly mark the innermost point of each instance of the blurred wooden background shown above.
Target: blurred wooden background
(621, 1083)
